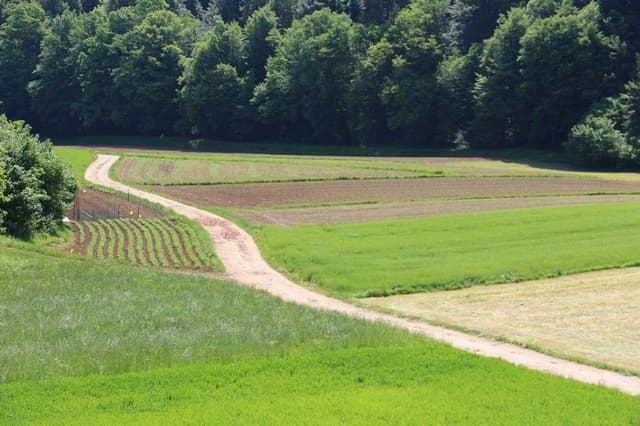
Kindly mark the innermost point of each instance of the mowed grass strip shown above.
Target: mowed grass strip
(155, 348)
(449, 252)
(168, 242)
(591, 316)
(426, 384)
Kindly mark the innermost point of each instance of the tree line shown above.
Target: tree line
(550, 74)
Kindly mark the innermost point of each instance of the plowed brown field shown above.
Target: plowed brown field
(93, 199)
(326, 192)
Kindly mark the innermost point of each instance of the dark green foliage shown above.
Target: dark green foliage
(496, 87)
(430, 73)
(146, 78)
(57, 89)
(285, 10)
(379, 11)
(455, 79)
(609, 134)
(564, 68)
(308, 78)
(409, 90)
(20, 37)
(622, 18)
(213, 92)
(260, 40)
(475, 20)
(39, 186)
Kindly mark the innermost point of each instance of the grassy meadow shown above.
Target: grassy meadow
(64, 316)
(456, 251)
(83, 342)
(78, 158)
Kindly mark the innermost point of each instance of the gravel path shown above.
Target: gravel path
(244, 264)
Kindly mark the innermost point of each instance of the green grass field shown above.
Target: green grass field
(456, 251)
(67, 316)
(79, 159)
(429, 384)
(86, 343)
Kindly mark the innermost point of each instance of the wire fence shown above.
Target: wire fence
(91, 214)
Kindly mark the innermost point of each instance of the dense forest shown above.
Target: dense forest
(550, 74)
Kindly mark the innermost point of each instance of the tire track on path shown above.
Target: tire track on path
(243, 262)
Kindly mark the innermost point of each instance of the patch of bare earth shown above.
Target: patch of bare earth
(89, 199)
(591, 316)
(379, 212)
(341, 191)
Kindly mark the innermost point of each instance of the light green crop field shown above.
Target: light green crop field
(78, 158)
(429, 384)
(384, 258)
(86, 343)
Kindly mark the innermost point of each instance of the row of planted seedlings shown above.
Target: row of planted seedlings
(167, 243)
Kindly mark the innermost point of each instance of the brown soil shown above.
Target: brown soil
(243, 263)
(93, 199)
(174, 252)
(325, 192)
(379, 212)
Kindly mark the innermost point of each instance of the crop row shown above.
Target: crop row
(166, 243)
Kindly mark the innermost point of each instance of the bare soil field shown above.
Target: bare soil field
(327, 192)
(591, 316)
(332, 215)
(93, 199)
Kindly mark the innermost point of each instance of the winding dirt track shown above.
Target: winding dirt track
(244, 264)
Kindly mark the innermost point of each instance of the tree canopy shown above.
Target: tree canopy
(428, 73)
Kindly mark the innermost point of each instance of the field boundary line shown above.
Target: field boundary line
(244, 263)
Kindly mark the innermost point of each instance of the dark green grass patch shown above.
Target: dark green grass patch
(456, 251)
(426, 384)
(61, 316)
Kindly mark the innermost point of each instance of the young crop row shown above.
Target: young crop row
(166, 243)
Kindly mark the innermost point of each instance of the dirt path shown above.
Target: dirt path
(244, 264)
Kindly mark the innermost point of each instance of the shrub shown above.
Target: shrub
(598, 141)
(38, 185)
